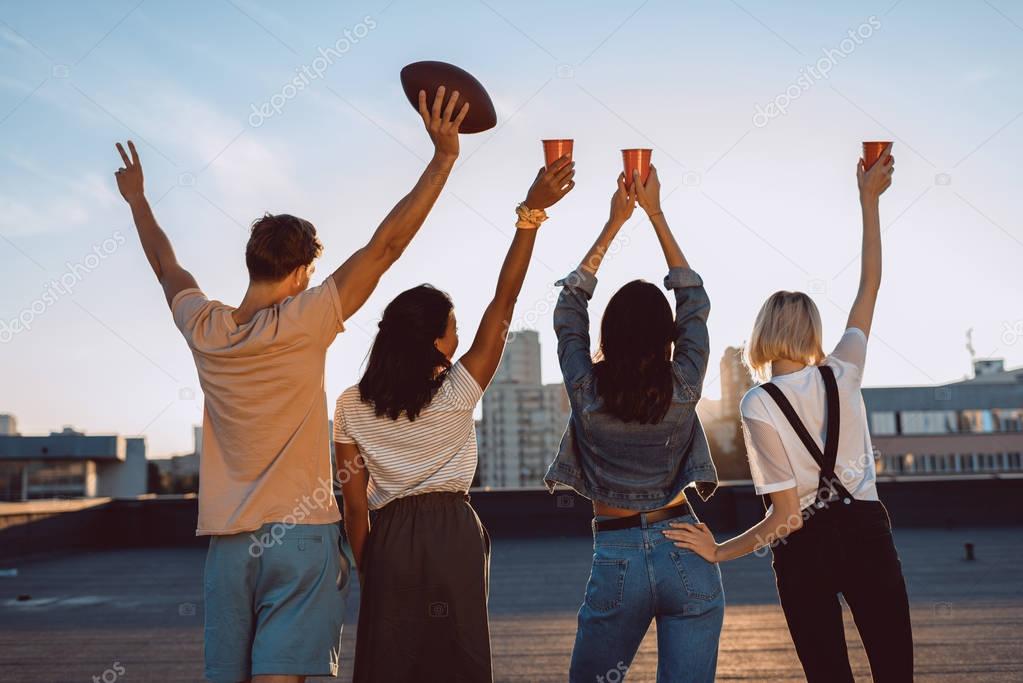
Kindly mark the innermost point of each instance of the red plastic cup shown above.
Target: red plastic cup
(636, 160)
(555, 149)
(872, 151)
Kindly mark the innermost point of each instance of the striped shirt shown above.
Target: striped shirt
(436, 452)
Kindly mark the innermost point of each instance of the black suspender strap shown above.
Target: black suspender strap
(829, 487)
(790, 414)
(833, 413)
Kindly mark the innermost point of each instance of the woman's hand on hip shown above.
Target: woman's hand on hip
(695, 537)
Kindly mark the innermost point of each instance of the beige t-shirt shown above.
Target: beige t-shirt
(265, 446)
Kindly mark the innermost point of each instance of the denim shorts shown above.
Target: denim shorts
(275, 602)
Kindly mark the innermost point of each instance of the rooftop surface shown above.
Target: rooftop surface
(142, 609)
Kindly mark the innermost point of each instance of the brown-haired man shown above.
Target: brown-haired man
(275, 582)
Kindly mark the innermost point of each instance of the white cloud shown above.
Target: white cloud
(23, 218)
(237, 167)
(70, 202)
(980, 75)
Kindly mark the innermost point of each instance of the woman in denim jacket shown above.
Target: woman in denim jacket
(633, 444)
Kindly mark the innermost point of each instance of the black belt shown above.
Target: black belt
(643, 519)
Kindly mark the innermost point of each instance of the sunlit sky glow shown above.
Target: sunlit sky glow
(756, 208)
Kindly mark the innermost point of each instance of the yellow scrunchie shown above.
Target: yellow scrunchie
(529, 219)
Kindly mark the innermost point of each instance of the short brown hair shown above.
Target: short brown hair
(788, 327)
(278, 245)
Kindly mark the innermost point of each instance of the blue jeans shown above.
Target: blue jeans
(638, 576)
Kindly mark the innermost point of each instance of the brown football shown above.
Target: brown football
(429, 76)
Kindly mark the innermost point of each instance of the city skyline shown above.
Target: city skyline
(518, 382)
(522, 419)
(751, 192)
(969, 426)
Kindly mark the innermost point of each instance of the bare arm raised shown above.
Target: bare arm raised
(483, 357)
(623, 202)
(571, 314)
(692, 306)
(783, 519)
(357, 277)
(649, 197)
(155, 243)
(872, 184)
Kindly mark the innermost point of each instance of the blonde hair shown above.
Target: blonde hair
(788, 327)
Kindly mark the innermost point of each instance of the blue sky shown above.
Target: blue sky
(757, 205)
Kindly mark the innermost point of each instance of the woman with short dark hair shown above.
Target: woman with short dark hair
(633, 445)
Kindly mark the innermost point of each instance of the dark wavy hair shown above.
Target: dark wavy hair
(401, 375)
(634, 374)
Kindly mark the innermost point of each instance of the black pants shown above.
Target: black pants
(423, 606)
(847, 549)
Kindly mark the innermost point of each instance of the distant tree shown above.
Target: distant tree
(186, 484)
(154, 479)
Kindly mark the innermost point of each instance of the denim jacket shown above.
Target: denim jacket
(627, 464)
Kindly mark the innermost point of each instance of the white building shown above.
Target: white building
(70, 464)
(971, 426)
(523, 419)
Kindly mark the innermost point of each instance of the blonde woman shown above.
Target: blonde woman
(810, 453)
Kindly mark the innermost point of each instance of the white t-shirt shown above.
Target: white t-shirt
(435, 452)
(779, 460)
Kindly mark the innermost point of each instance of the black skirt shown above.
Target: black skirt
(423, 607)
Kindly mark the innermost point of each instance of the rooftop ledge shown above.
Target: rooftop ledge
(77, 614)
(943, 502)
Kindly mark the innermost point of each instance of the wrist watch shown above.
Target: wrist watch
(529, 219)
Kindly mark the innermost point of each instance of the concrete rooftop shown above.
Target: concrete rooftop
(143, 608)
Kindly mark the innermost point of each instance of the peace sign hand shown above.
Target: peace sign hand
(129, 176)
